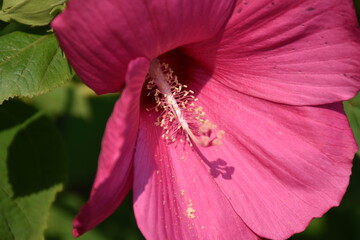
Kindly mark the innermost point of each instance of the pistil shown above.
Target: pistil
(180, 113)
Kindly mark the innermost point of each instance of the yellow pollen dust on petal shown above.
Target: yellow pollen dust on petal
(190, 211)
(180, 117)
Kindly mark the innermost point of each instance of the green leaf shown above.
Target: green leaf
(30, 65)
(32, 166)
(31, 12)
(9, 3)
(352, 110)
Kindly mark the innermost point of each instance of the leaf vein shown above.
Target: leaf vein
(20, 50)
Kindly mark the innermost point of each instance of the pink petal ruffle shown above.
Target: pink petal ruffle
(291, 164)
(100, 37)
(292, 52)
(115, 169)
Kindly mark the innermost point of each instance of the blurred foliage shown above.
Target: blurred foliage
(81, 118)
(357, 6)
(28, 188)
(352, 109)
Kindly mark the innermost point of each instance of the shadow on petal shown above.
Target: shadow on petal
(218, 167)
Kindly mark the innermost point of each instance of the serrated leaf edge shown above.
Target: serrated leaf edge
(39, 92)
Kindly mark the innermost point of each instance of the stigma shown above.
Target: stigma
(179, 115)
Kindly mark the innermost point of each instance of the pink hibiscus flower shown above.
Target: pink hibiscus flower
(271, 75)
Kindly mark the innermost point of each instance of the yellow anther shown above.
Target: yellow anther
(216, 142)
(220, 134)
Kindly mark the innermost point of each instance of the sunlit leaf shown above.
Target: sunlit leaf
(30, 65)
(32, 166)
(30, 12)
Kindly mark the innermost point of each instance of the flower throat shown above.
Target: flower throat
(180, 117)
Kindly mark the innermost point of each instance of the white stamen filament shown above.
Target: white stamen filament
(159, 79)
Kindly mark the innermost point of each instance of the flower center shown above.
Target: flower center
(180, 116)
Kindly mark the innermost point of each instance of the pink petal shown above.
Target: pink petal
(293, 52)
(291, 164)
(174, 196)
(115, 169)
(101, 37)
